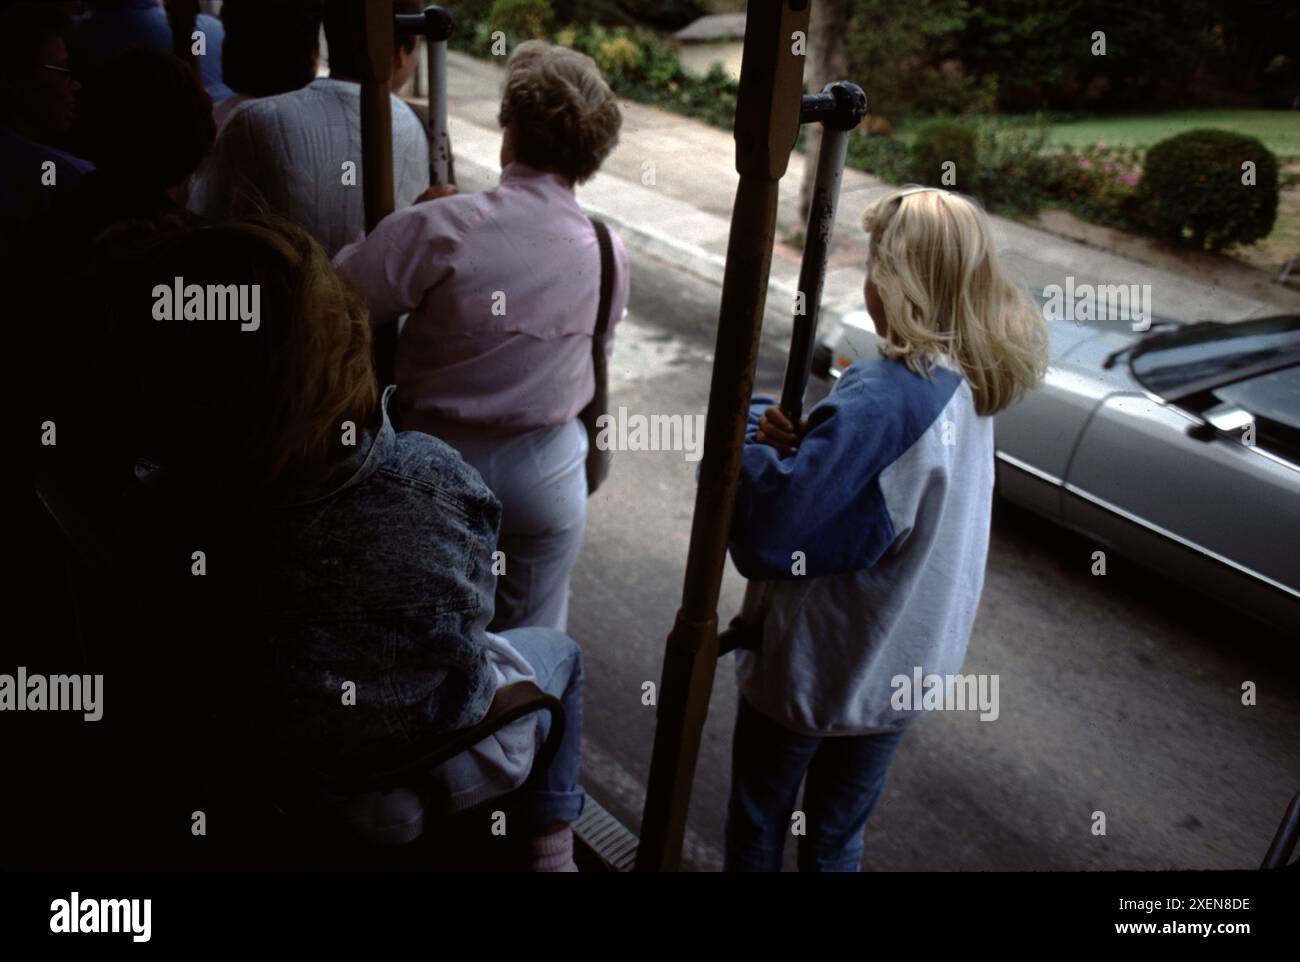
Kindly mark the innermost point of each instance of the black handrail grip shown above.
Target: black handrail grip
(434, 24)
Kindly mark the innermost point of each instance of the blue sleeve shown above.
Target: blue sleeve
(825, 500)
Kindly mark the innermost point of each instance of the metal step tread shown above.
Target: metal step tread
(607, 842)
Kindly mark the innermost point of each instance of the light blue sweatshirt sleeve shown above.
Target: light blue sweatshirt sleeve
(825, 500)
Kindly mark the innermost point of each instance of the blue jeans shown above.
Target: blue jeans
(552, 794)
(845, 776)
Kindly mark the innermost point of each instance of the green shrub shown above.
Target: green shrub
(638, 65)
(1191, 189)
(521, 19)
(936, 144)
(1014, 173)
(711, 98)
(888, 158)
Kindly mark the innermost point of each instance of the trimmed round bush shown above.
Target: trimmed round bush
(936, 144)
(1192, 189)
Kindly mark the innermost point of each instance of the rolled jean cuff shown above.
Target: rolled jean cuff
(547, 808)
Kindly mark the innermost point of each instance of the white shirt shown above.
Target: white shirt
(298, 155)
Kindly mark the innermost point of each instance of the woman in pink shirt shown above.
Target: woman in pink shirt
(502, 289)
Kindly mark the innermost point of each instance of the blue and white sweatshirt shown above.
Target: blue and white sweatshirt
(888, 498)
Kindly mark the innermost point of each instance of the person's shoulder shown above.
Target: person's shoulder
(891, 391)
(276, 104)
(262, 117)
(448, 217)
(872, 375)
(430, 465)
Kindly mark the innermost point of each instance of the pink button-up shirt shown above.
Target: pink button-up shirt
(502, 288)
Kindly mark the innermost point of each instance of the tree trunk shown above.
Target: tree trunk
(827, 29)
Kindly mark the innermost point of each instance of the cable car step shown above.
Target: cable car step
(602, 842)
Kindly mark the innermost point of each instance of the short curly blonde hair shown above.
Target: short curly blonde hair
(564, 115)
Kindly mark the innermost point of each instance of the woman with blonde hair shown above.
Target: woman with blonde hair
(870, 525)
(503, 288)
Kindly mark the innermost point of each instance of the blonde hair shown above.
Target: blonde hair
(565, 116)
(945, 294)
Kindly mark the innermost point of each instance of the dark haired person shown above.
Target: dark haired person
(37, 104)
(502, 287)
(298, 154)
(337, 549)
(109, 27)
(148, 125)
(272, 47)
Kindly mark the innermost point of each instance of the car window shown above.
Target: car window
(1274, 401)
(1172, 361)
(1274, 396)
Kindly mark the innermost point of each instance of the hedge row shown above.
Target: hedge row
(1206, 188)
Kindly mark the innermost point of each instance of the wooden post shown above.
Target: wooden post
(767, 123)
(372, 33)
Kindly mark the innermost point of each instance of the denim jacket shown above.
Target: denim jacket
(385, 582)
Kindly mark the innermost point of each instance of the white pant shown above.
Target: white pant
(541, 479)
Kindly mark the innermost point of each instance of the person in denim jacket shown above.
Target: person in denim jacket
(347, 567)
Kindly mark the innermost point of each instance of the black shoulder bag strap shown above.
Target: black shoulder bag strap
(598, 460)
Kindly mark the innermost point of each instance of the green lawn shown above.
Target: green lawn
(1279, 130)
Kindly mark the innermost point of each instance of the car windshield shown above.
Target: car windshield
(1169, 363)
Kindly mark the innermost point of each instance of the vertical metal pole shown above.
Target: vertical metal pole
(440, 163)
(812, 270)
(420, 86)
(435, 24)
(767, 122)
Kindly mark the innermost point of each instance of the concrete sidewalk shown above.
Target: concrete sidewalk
(668, 190)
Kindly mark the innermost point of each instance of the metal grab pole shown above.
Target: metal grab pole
(1283, 844)
(839, 108)
(442, 170)
(436, 25)
(767, 123)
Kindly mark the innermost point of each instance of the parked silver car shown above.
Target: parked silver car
(1178, 447)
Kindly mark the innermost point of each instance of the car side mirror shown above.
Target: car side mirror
(1221, 419)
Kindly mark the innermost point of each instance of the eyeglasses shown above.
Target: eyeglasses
(67, 74)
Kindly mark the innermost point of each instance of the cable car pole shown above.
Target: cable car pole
(372, 33)
(767, 124)
(838, 108)
(371, 29)
(435, 25)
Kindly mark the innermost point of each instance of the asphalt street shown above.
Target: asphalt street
(1119, 693)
